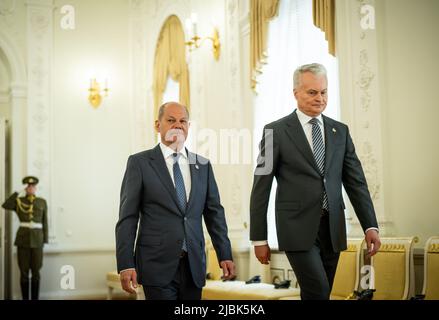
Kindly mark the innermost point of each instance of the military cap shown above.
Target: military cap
(30, 180)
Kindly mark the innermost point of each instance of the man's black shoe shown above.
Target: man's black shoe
(283, 284)
(224, 279)
(255, 279)
(364, 295)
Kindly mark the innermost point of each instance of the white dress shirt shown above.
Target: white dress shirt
(183, 162)
(307, 128)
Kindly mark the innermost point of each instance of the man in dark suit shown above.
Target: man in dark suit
(165, 192)
(31, 236)
(311, 156)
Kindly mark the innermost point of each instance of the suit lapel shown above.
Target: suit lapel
(329, 141)
(296, 133)
(159, 165)
(195, 174)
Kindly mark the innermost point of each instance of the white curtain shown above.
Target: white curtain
(293, 40)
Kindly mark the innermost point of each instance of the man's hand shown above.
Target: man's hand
(228, 267)
(128, 279)
(263, 253)
(373, 242)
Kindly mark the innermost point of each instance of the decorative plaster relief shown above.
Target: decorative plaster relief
(370, 167)
(39, 53)
(7, 7)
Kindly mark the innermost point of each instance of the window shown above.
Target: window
(293, 40)
(172, 93)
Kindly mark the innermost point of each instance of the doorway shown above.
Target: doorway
(5, 176)
(5, 219)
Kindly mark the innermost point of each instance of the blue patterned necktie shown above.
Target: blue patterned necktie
(319, 154)
(179, 188)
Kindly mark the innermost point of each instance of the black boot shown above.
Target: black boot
(24, 284)
(35, 289)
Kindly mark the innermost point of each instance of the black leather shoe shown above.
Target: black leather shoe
(35, 289)
(364, 295)
(224, 279)
(283, 284)
(24, 289)
(255, 279)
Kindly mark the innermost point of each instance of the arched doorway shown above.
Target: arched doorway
(12, 143)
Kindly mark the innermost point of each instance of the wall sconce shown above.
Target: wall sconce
(96, 94)
(195, 41)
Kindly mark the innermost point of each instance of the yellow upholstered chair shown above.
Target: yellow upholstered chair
(431, 269)
(392, 273)
(216, 289)
(347, 276)
(113, 282)
(214, 270)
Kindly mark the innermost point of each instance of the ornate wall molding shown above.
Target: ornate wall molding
(232, 61)
(360, 102)
(17, 95)
(8, 9)
(14, 56)
(237, 193)
(236, 20)
(39, 61)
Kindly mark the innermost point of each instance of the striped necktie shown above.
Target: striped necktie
(179, 188)
(318, 147)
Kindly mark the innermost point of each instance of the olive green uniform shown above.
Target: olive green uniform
(30, 239)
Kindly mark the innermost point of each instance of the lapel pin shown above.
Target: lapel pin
(196, 166)
(333, 130)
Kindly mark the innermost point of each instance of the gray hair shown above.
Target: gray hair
(314, 68)
(163, 107)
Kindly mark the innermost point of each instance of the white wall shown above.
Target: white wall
(410, 111)
(88, 148)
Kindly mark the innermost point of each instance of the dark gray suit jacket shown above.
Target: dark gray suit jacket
(149, 207)
(300, 186)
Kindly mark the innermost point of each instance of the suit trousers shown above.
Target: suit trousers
(315, 268)
(30, 259)
(182, 286)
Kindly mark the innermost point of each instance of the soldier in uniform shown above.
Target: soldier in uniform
(31, 236)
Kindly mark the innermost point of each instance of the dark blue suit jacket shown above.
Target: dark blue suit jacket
(300, 185)
(149, 208)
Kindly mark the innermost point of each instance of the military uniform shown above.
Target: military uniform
(30, 238)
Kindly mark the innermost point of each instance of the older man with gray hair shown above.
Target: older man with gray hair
(313, 156)
(166, 193)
